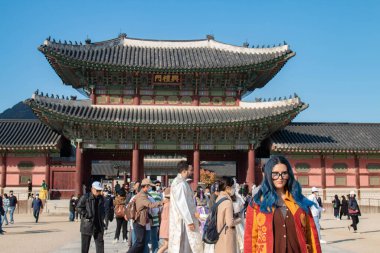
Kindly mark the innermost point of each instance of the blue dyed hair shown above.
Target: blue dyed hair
(267, 197)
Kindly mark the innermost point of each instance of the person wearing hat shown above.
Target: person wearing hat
(142, 208)
(37, 206)
(316, 210)
(353, 211)
(91, 208)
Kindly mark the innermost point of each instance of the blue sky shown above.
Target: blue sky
(336, 69)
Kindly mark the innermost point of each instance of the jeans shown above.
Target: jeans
(4, 217)
(146, 241)
(139, 231)
(317, 225)
(133, 236)
(11, 211)
(36, 214)
(71, 216)
(99, 242)
(121, 223)
(154, 238)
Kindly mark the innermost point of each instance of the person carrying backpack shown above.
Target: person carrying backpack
(121, 223)
(225, 221)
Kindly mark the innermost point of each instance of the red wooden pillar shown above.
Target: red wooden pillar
(250, 178)
(195, 100)
(323, 174)
(79, 168)
(135, 163)
(165, 180)
(47, 170)
(141, 165)
(3, 172)
(92, 96)
(357, 175)
(136, 97)
(196, 167)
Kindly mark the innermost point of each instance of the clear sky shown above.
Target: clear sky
(336, 69)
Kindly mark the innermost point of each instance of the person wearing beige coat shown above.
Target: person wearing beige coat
(227, 238)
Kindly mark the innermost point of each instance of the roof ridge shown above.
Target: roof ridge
(334, 123)
(20, 120)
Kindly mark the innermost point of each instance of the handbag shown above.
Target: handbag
(352, 211)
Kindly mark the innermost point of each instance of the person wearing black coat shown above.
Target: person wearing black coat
(353, 211)
(344, 208)
(2, 213)
(91, 208)
(108, 209)
(336, 206)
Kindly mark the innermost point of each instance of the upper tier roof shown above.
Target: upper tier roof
(168, 116)
(178, 55)
(327, 137)
(27, 135)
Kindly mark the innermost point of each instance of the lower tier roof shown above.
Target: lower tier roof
(327, 137)
(163, 116)
(27, 135)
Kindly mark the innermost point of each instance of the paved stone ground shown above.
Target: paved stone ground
(75, 245)
(56, 234)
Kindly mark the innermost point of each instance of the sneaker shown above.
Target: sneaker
(115, 241)
(125, 240)
(322, 241)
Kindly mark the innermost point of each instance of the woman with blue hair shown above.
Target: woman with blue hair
(278, 218)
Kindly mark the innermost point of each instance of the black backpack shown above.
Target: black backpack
(210, 233)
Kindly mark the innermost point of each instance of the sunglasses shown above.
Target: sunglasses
(277, 175)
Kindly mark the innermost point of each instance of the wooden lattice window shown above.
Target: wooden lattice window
(303, 180)
(340, 181)
(340, 167)
(374, 180)
(25, 165)
(302, 167)
(373, 167)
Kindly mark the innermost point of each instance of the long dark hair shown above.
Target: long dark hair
(267, 197)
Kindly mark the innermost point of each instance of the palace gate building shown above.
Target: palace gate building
(155, 99)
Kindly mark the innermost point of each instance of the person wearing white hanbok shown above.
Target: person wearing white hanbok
(184, 235)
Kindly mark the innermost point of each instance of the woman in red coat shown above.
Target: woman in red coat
(278, 218)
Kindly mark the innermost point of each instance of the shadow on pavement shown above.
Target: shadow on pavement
(344, 240)
(373, 231)
(36, 232)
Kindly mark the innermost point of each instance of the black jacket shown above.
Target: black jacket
(1, 206)
(92, 219)
(108, 204)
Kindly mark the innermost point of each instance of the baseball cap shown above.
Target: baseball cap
(97, 186)
(314, 189)
(352, 193)
(147, 181)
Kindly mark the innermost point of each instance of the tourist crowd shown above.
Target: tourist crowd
(222, 217)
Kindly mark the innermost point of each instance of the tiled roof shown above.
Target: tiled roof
(27, 135)
(327, 137)
(165, 55)
(170, 116)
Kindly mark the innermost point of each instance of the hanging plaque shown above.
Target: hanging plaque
(172, 79)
